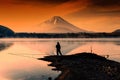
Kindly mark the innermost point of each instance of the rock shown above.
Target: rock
(84, 66)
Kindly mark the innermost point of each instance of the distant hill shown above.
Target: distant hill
(58, 25)
(5, 31)
(116, 31)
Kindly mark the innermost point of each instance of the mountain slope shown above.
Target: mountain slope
(116, 31)
(58, 25)
(5, 31)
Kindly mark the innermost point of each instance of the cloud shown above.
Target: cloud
(105, 3)
(92, 3)
(106, 6)
(95, 14)
(96, 8)
(24, 13)
(47, 1)
(31, 2)
(70, 7)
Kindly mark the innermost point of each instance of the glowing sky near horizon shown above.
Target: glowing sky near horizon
(92, 15)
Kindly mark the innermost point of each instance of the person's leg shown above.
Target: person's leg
(57, 53)
(60, 52)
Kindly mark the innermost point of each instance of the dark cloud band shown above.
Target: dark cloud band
(53, 1)
(105, 3)
(43, 1)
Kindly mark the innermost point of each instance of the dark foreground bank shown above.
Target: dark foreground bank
(84, 66)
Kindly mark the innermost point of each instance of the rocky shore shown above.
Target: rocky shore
(84, 66)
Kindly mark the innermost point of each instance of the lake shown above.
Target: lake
(18, 57)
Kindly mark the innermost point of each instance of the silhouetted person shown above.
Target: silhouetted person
(58, 49)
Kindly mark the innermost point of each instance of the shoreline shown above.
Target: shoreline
(84, 66)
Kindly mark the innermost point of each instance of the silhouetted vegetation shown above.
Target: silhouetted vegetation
(6, 32)
(116, 31)
(65, 35)
(61, 35)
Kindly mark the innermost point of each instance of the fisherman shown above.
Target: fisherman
(58, 49)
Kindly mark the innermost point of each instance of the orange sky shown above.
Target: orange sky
(92, 15)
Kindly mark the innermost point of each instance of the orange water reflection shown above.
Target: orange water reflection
(18, 56)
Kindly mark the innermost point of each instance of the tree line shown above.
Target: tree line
(62, 35)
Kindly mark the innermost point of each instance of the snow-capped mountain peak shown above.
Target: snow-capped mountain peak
(56, 20)
(58, 25)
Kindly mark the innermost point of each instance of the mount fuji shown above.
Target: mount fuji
(58, 25)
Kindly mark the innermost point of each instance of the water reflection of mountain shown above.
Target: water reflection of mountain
(5, 45)
(48, 47)
(117, 43)
(70, 46)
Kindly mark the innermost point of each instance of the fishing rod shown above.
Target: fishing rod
(24, 55)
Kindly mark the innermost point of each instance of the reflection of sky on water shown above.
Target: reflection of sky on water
(18, 58)
(30, 70)
(48, 48)
(19, 63)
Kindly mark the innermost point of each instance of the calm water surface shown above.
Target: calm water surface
(18, 57)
